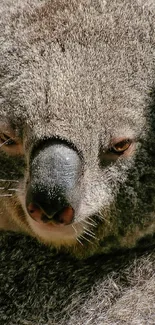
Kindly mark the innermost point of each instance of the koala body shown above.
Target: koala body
(41, 287)
(77, 122)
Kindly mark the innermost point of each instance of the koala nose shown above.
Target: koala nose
(41, 208)
(53, 191)
(64, 216)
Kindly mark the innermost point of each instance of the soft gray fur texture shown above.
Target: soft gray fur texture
(39, 287)
(78, 75)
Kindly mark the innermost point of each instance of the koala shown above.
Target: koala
(77, 157)
(77, 123)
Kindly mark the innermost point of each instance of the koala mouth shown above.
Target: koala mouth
(63, 217)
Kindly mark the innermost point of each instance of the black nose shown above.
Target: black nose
(53, 191)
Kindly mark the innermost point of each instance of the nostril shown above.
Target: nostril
(64, 216)
(34, 211)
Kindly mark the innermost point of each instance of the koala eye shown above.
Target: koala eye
(121, 146)
(6, 140)
(10, 144)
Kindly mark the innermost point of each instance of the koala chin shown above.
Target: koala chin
(77, 122)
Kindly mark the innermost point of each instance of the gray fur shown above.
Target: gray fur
(82, 72)
(44, 288)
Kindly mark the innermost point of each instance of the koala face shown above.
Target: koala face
(77, 121)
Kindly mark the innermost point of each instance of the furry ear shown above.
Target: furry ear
(39, 286)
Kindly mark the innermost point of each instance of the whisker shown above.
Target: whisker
(92, 232)
(79, 241)
(93, 222)
(90, 223)
(11, 189)
(76, 232)
(81, 236)
(5, 195)
(86, 230)
(77, 238)
(14, 189)
(9, 180)
(101, 217)
(74, 229)
(90, 235)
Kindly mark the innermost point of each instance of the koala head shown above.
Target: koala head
(77, 121)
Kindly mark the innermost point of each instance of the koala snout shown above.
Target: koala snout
(53, 189)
